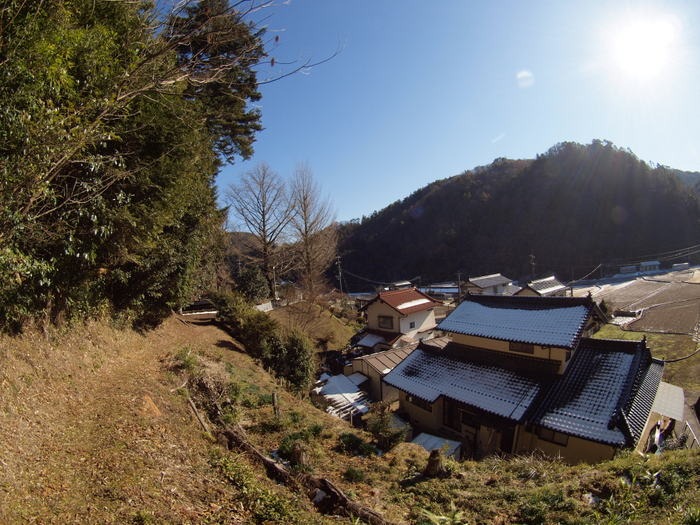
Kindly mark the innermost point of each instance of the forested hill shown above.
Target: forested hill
(573, 207)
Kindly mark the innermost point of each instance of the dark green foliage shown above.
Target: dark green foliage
(574, 207)
(251, 283)
(352, 444)
(108, 154)
(354, 475)
(298, 366)
(290, 357)
(304, 436)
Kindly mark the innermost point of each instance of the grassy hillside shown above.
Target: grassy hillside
(327, 331)
(96, 427)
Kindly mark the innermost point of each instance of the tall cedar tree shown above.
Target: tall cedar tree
(110, 135)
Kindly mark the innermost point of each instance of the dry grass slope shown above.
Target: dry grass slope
(95, 428)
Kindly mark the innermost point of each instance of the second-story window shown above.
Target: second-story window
(386, 322)
(412, 324)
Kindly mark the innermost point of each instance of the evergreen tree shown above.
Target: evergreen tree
(112, 123)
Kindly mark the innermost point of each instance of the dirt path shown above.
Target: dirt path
(94, 432)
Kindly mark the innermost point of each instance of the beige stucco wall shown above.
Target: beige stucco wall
(360, 365)
(543, 352)
(378, 308)
(577, 450)
(422, 418)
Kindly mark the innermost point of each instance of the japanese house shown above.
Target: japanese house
(521, 374)
(397, 317)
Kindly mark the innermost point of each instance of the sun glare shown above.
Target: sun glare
(644, 48)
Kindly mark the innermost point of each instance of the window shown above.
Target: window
(385, 321)
(420, 403)
(412, 324)
(524, 348)
(552, 436)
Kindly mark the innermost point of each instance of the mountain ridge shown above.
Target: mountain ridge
(573, 207)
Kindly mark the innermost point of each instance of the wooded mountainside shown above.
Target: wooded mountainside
(573, 207)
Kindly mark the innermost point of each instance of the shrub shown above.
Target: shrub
(354, 475)
(298, 367)
(287, 444)
(379, 424)
(350, 443)
(186, 360)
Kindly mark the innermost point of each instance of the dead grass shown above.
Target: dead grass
(94, 430)
(321, 326)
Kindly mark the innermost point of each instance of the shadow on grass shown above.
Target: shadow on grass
(230, 345)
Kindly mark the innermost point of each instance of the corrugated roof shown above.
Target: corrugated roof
(547, 285)
(344, 396)
(486, 281)
(406, 301)
(545, 321)
(670, 401)
(369, 340)
(604, 394)
(493, 389)
(385, 361)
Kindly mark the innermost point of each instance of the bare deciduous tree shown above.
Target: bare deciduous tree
(313, 228)
(260, 202)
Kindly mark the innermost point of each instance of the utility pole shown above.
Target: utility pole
(459, 287)
(532, 265)
(340, 273)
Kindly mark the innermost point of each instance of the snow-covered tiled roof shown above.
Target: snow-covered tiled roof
(512, 319)
(414, 302)
(493, 389)
(606, 393)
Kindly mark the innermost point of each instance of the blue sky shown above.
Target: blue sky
(421, 91)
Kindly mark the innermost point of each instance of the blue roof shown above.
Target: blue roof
(605, 394)
(494, 389)
(534, 320)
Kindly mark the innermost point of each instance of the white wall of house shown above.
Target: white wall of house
(422, 321)
(417, 322)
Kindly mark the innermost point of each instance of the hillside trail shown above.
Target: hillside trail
(96, 432)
